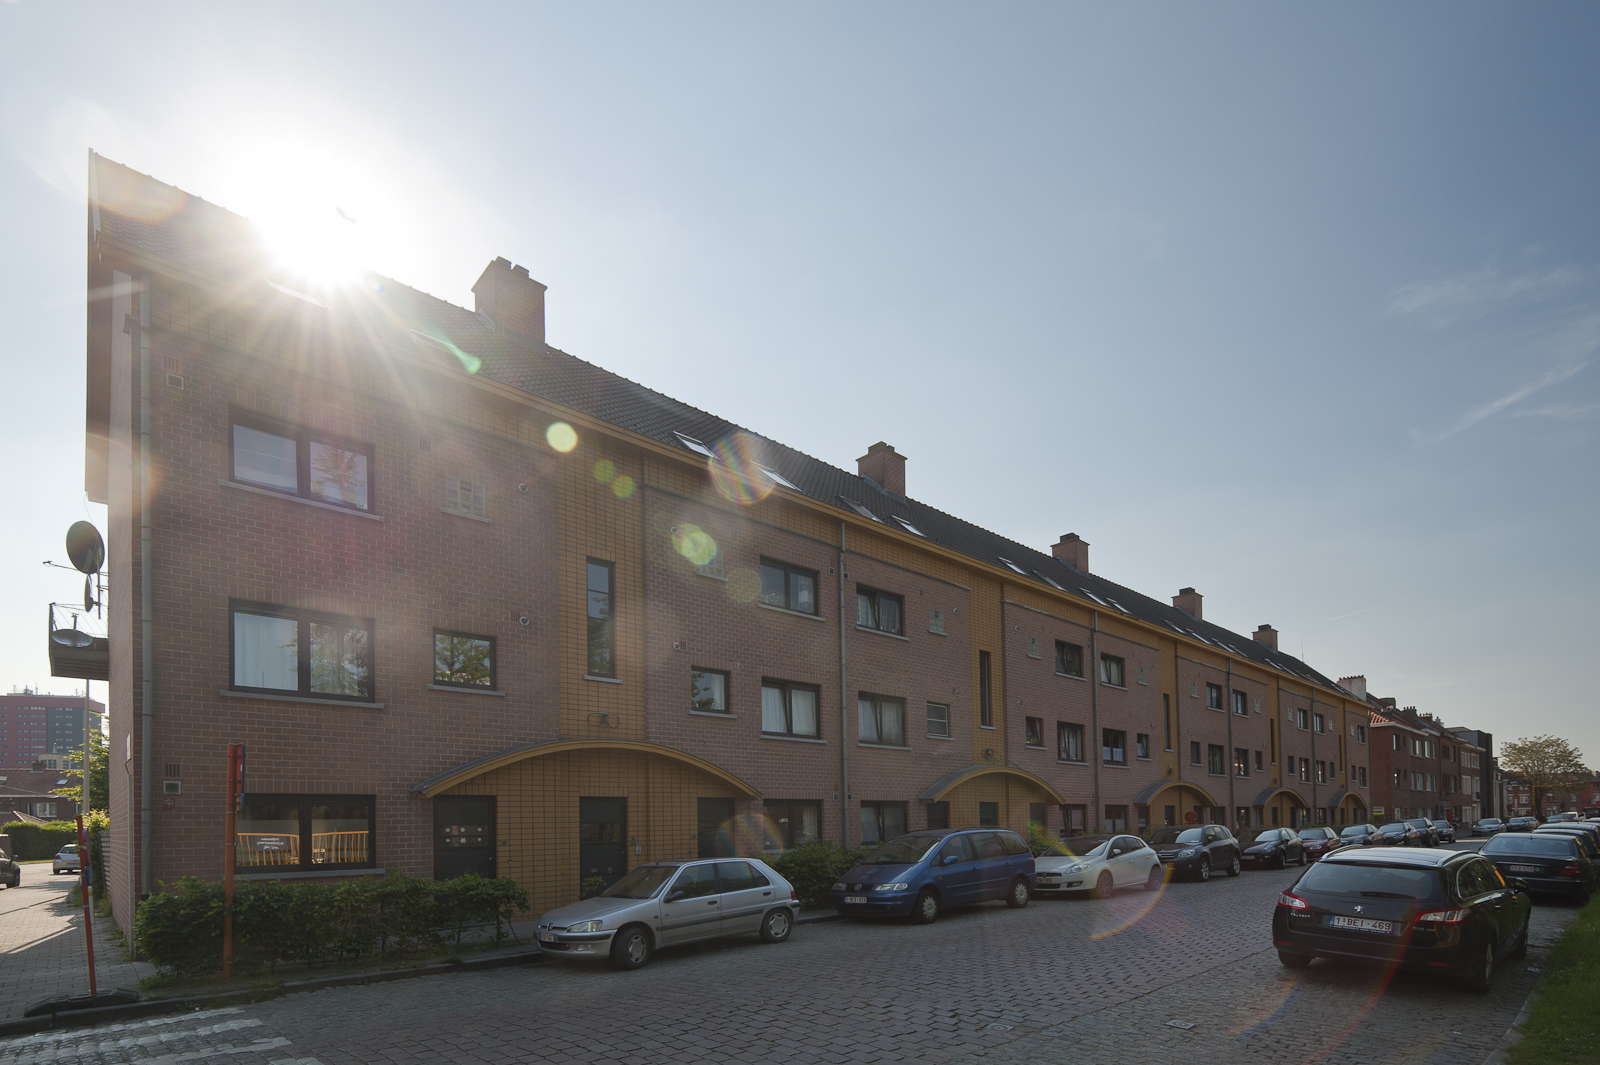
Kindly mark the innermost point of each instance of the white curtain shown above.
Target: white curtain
(868, 721)
(266, 652)
(772, 716)
(803, 710)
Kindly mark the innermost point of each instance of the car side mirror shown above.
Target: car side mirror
(949, 859)
(677, 896)
(1520, 887)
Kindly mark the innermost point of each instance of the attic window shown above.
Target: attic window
(910, 528)
(1096, 598)
(777, 478)
(1199, 637)
(861, 510)
(693, 445)
(1048, 581)
(1119, 606)
(297, 294)
(1013, 566)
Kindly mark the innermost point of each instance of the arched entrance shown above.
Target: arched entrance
(1178, 802)
(999, 795)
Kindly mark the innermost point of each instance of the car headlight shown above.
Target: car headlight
(1186, 853)
(585, 926)
(891, 887)
(1081, 867)
(841, 886)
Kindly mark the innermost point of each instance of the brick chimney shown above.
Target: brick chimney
(1188, 600)
(512, 300)
(1356, 684)
(1072, 550)
(885, 465)
(1268, 635)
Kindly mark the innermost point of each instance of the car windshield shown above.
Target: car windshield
(1085, 846)
(1354, 830)
(905, 850)
(642, 883)
(1269, 836)
(1314, 833)
(1551, 846)
(1419, 822)
(1361, 880)
(1173, 834)
(1395, 829)
(1490, 821)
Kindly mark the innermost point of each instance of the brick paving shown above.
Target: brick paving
(1063, 980)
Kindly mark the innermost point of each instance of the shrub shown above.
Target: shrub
(814, 867)
(591, 887)
(32, 843)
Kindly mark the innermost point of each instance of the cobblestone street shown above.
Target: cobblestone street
(1063, 980)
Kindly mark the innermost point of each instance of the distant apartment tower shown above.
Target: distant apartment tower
(33, 725)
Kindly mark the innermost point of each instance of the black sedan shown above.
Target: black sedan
(1426, 829)
(1442, 912)
(1360, 835)
(1590, 845)
(1550, 864)
(1399, 834)
(1488, 826)
(1275, 848)
(1198, 850)
(1522, 824)
(1446, 831)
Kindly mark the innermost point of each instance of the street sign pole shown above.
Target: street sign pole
(235, 800)
(84, 877)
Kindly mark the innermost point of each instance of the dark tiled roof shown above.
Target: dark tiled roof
(206, 237)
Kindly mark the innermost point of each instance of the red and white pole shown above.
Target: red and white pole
(83, 887)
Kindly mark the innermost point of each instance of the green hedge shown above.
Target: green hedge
(31, 843)
(277, 923)
(814, 867)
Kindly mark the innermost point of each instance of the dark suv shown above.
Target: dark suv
(1427, 829)
(1198, 850)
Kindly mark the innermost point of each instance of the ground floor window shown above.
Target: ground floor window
(1219, 814)
(938, 815)
(1275, 816)
(1242, 817)
(714, 819)
(1142, 816)
(1036, 815)
(791, 822)
(1074, 818)
(1169, 815)
(881, 821)
(304, 832)
(1116, 819)
(989, 814)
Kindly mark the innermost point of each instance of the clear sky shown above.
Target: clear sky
(1297, 304)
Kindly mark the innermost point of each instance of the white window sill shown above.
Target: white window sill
(1070, 676)
(601, 680)
(1119, 687)
(710, 576)
(880, 632)
(307, 874)
(882, 746)
(937, 632)
(946, 739)
(1033, 746)
(1115, 765)
(464, 514)
(1037, 658)
(464, 688)
(1068, 761)
(791, 613)
(713, 713)
(228, 693)
(286, 497)
(987, 728)
(790, 739)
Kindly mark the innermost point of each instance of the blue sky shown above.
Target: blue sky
(1296, 304)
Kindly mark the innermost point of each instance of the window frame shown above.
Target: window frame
(610, 620)
(790, 570)
(874, 596)
(877, 700)
(1216, 760)
(788, 688)
(303, 438)
(1109, 750)
(1141, 746)
(1194, 753)
(1107, 663)
(1241, 703)
(303, 618)
(985, 691)
(1213, 696)
(1064, 653)
(878, 806)
(1241, 762)
(494, 661)
(305, 801)
(770, 807)
(727, 690)
(928, 720)
(1065, 729)
(1033, 733)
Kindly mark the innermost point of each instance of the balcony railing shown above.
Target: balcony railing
(78, 644)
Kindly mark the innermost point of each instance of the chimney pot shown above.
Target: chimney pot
(1188, 600)
(1073, 550)
(1356, 684)
(883, 464)
(1268, 635)
(513, 301)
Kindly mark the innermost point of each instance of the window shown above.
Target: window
(936, 621)
(280, 649)
(1036, 815)
(882, 719)
(713, 568)
(1319, 723)
(1396, 738)
(1116, 819)
(1241, 817)
(1272, 740)
(297, 462)
(1169, 815)
(1075, 818)
(985, 704)
(1305, 770)
(879, 610)
(602, 624)
(1069, 742)
(1111, 671)
(1322, 772)
(290, 832)
(463, 661)
(1241, 704)
(1194, 752)
(464, 494)
(1241, 762)
(1141, 745)
(1258, 761)
(938, 719)
(1113, 744)
(1361, 734)
(881, 821)
(788, 587)
(1069, 659)
(708, 690)
(1300, 719)
(1034, 732)
(788, 709)
(1213, 696)
(790, 822)
(1214, 763)
(1166, 722)
(989, 814)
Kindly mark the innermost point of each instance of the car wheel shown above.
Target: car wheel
(1204, 872)
(776, 925)
(1235, 867)
(926, 910)
(1521, 949)
(1019, 896)
(630, 948)
(1283, 861)
(1158, 875)
(1293, 961)
(1302, 858)
(1104, 887)
(1482, 976)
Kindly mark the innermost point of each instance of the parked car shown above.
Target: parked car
(1360, 835)
(1320, 840)
(1589, 844)
(665, 904)
(1552, 864)
(1561, 816)
(1399, 834)
(1424, 827)
(1522, 824)
(1488, 826)
(1581, 828)
(1100, 864)
(10, 872)
(1446, 831)
(66, 860)
(922, 873)
(1274, 848)
(1198, 850)
(1443, 911)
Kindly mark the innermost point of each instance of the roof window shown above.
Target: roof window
(777, 478)
(908, 527)
(297, 294)
(693, 445)
(1013, 566)
(1048, 581)
(861, 510)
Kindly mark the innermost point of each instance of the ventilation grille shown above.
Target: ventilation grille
(172, 769)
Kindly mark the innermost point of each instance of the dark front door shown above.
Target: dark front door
(602, 829)
(463, 836)
(716, 827)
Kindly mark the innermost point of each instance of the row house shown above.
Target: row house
(472, 603)
(1421, 768)
(1584, 798)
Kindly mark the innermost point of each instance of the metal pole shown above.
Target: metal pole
(844, 697)
(229, 858)
(1099, 812)
(83, 888)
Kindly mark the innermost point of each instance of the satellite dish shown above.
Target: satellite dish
(88, 595)
(71, 638)
(85, 548)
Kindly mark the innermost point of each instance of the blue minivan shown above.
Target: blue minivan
(924, 872)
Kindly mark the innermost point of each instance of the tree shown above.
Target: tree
(99, 771)
(1546, 763)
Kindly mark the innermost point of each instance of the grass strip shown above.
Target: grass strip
(1563, 1026)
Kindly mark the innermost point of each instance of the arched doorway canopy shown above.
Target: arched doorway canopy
(1148, 795)
(478, 766)
(944, 784)
(1272, 793)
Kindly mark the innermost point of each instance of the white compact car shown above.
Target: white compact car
(1100, 864)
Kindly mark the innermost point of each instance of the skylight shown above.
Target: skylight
(1048, 581)
(1096, 598)
(861, 510)
(910, 528)
(693, 445)
(1012, 565)
(1119, 606)
(297, 294)
(777, 478)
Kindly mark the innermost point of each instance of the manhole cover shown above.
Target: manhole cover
(1000, 1028)
(1185, 1025)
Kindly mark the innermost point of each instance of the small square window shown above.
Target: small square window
(1111, 671)
(461, 660)
(1069, 659)
(879, 611)
(1034, 732)
(989, 814)
(1033, 647)
(788, 587)
(708, 690)
(936, 621)
(1142, 745)
(938, 719)
(465, 494)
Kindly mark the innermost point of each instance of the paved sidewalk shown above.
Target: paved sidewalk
(41, 941)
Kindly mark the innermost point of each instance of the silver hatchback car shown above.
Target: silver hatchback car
(665, 904)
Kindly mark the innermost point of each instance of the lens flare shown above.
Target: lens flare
(1150, 904)
(561, 436)
(605, 471)
(622, 487)
(734, 470)
(694, 544)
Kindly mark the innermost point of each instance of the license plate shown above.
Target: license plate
(1362, 924)
(1523, 868)
(547, 937)
(855, 898)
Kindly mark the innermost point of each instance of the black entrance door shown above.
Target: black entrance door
(716, 828)
(602, 828)
(463, 835)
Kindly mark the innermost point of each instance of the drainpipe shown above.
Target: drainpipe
(1313, 713)
(147, 713)
(1094, 711)
(1227, 707)
(844, 700)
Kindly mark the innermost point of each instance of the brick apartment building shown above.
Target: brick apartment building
(34, 725)
(473, 603)
(1423, 769)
